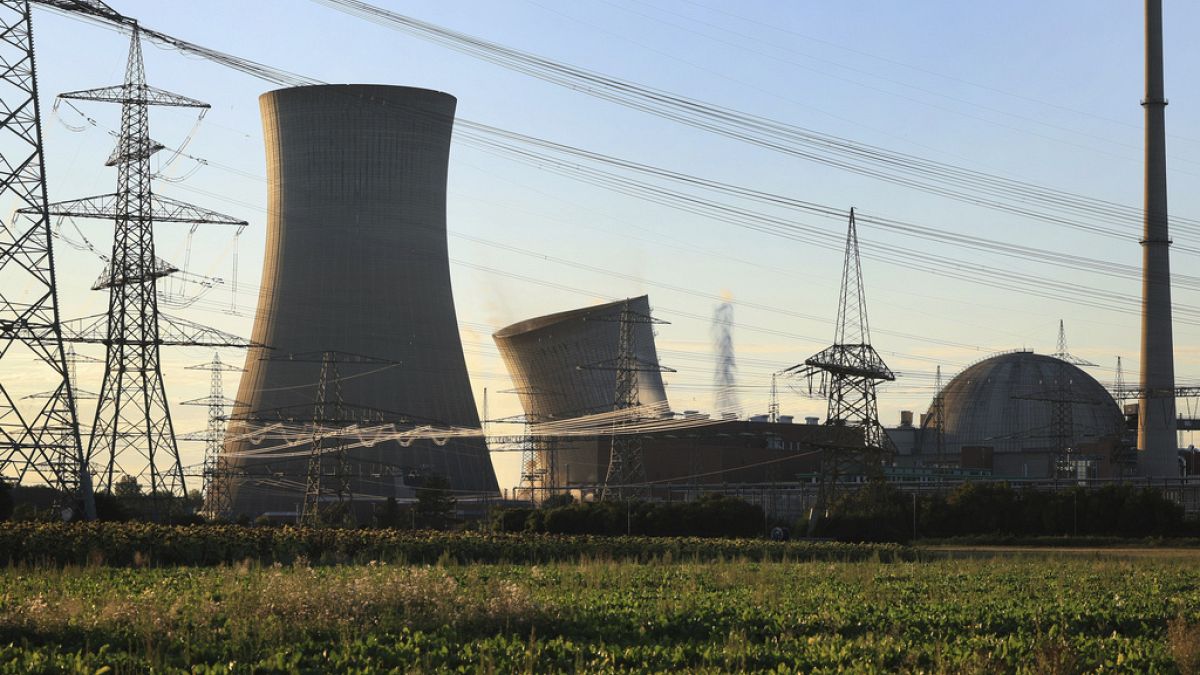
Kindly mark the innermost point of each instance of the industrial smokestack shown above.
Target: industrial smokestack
(725, 368)
(1156, 421)
(357, 262)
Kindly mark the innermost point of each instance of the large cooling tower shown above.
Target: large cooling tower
(548, 359)
(356, 265)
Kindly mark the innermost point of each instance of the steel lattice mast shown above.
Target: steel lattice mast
(849, 370)
(41, 440)
(626, 474)
(133, 416)
(851, 367)
(215, 470)
(327, 408)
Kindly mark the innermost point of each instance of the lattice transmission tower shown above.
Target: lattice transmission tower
(849, 371)
(1062, 396)
(40, 440)
(132, 416)
(215, 471)
(328, 491)
(939, 417)
(850, 368)
(626, 474)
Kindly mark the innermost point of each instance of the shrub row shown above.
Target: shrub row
(124, 544)
(709, 516)
(880, 512)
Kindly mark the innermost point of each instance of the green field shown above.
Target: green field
(1031, 613)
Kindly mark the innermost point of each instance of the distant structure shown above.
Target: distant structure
(996, 420)
(725, 398)
(548, 358)
(357, 263)
(1156, 439)
(214, 472)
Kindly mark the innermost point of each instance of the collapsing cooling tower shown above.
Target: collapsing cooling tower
(550, 360)
(356, 264)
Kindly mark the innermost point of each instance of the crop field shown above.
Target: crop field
(1027, 614)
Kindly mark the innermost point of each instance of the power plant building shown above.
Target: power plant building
(356, 274)
(550, 360)
(1000, 420)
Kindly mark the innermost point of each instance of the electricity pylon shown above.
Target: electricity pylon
(939, 418)
(626, 474)
(1062, 397)
(38, 441)
(849, 370)
(215, 471)
(133, 416)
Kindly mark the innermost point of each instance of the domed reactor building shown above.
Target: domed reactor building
(1018, 415)
(356, 281)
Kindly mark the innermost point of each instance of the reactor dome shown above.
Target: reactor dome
(1000, 415)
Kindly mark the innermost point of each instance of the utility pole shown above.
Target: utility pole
(1157, 456)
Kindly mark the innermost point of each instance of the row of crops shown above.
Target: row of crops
(141, 544)
(1016, 615)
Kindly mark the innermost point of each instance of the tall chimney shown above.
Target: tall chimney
(1156, 421)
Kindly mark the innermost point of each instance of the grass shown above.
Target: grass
(1046, 614)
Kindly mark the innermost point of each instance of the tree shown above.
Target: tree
(127, 486)
(435, 502)
(389, 515)
(6, 500)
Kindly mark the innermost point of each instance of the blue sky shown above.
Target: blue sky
(1043, 92)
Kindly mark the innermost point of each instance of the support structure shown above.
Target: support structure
(539, 454)
(215, 470)
(327, 406)
(1157, 456)
(39, 441)
(851, 368)
(327, 492)
(626, 474)
(939, 412)
(849, 371)
(1062, 396)
(133, 433)
(1062, 417)
(773, 407)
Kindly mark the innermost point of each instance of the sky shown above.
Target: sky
(1046, 93)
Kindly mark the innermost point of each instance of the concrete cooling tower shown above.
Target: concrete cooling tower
(356, 265)
(548, 358)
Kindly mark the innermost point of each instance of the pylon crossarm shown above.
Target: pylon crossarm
(142, 95)
(91, 7)
(162, 210)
